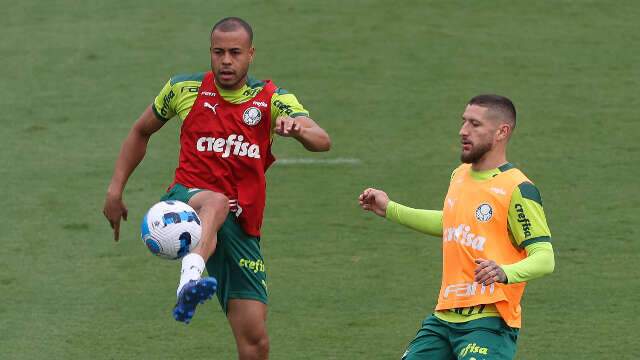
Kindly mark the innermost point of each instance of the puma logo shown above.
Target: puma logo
(212, 107)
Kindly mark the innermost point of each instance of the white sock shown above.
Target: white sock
(192, 268)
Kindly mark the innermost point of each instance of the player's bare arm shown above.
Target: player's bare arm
(374, 200)
(132, 152)
(305, 130)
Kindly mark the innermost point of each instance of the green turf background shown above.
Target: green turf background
(388, 81)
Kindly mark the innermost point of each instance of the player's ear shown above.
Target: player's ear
(504, 131)
(252, 51)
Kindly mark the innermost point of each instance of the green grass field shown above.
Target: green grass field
(389, 83)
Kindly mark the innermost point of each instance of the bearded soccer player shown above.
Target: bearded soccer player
(228, 123)
(495, 239)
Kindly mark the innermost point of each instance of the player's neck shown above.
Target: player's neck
(491, 160)
(241, 84)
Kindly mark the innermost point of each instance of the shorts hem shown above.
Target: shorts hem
(241, 296)
(247, 296)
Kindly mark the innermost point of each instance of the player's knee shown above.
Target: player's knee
(221, 203)
(262, 346)
(257, 347)
(216, 203)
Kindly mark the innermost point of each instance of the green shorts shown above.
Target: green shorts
(484, 339)
(237, 263)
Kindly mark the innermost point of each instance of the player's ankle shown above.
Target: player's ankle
(192, 267)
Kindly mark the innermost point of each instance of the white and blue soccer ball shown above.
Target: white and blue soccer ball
(170, 229)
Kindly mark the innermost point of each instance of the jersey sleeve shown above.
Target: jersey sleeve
(164, 104)
(527, 220)
(539, 262)
(425, 221)
(284, 103)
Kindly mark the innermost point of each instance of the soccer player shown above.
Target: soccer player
(494, 238)
(228, 123)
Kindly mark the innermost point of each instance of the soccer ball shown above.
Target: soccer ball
(170, 229)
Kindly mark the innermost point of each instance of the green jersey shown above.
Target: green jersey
(180, 92)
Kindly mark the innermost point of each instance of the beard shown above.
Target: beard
(476, 153)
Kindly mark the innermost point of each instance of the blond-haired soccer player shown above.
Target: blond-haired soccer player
(495, 238)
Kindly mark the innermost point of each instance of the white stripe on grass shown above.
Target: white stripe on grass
(312, 161)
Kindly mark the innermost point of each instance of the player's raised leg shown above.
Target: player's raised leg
(248, 319)
(212, 209)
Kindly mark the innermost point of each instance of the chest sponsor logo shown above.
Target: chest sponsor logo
(212, 107)
(467, 290)
(523, 221)
(260, 104)
(232, 145)
(484, 212)
(498, 191)
(208, 93)
(462, 235)
(252, 116)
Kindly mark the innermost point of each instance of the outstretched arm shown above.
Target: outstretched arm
(305, 130)
(132, 152)
(425, 221)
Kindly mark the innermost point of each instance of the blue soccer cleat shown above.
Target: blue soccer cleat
(193, 293)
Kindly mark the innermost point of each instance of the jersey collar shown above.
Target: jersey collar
(488, 174)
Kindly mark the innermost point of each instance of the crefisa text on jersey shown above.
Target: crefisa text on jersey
(524, 221)
(234, 144)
